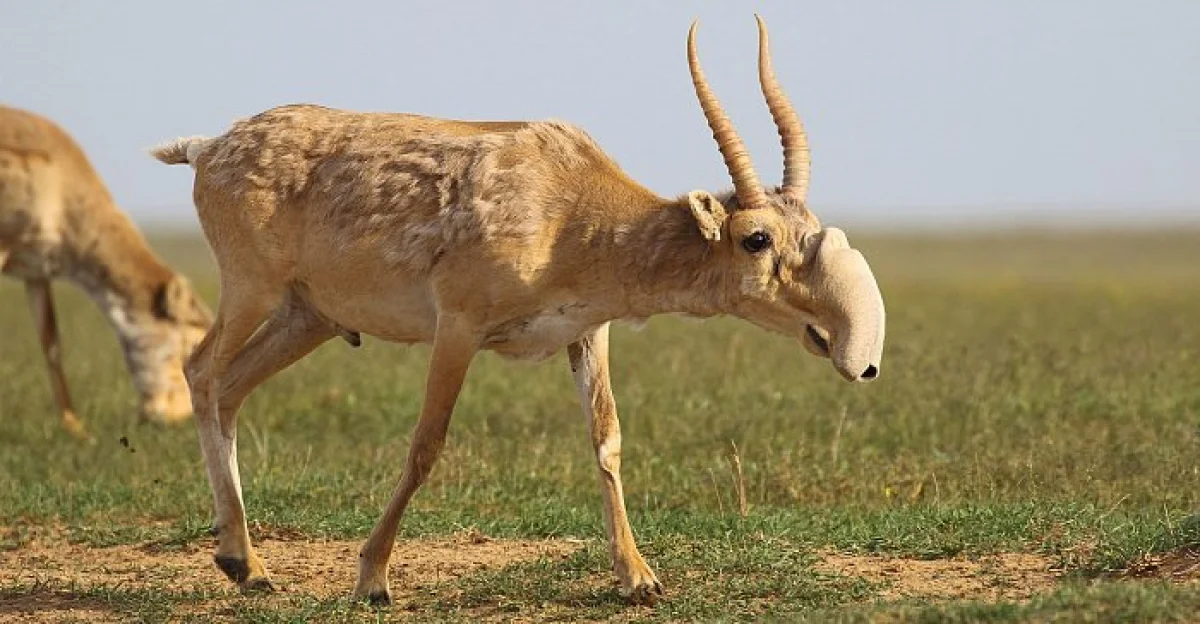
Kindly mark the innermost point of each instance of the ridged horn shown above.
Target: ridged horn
(737, 160)
(796, 159)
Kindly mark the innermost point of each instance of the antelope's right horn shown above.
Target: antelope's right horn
(737, 160)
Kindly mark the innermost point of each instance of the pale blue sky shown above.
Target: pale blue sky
(915, 110)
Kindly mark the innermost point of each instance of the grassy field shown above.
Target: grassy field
(1039, 403)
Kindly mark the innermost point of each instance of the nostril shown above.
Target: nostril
(871, 372)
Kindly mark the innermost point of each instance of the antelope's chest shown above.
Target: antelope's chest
(31, 245)
(540, 334)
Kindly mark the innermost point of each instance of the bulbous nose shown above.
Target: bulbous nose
(871, 373)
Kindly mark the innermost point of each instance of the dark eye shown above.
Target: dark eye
(756, 242)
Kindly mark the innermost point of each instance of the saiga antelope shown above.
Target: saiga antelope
(58, 220)
(517, 237)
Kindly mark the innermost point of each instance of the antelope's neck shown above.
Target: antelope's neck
(114, 265)
(663, 264)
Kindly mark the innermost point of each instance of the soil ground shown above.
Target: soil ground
(55, 571)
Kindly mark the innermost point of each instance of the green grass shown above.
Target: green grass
(1039, 393)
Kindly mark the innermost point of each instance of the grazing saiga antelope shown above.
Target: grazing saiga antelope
(517, 237)
(58, 220)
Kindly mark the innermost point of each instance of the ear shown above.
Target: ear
(709, 213)
(175, 301)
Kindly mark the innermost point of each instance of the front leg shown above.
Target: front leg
(589, 364)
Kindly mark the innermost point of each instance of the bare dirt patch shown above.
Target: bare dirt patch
(51, 568)
(1005, 576)
(48, 605)
(1181, 566)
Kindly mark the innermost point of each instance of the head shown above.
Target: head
(787, 273)
(157, 341)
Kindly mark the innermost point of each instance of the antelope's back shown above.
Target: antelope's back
(43, 176)
(399, 187)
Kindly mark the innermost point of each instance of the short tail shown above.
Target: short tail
(182, 151)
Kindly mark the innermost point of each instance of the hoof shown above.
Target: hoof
(376, 594)
(238, 570)
(639, 584)
(75, 429)
(258, 585)
(235, 568)
(648, 594)
(372, 584)
(375, 597)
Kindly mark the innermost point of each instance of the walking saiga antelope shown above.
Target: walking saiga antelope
(58, 220)
(517, 237)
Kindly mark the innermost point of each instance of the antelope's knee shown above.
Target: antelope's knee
(195, 370)
(196, 373)
(608, 455)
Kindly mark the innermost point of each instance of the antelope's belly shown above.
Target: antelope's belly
(395, 312)
(539, 335)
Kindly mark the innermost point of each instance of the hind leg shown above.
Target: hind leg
(454, 346)
(221, 373)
